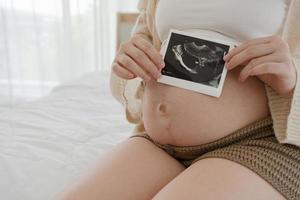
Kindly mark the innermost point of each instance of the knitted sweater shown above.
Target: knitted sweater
(285, 111)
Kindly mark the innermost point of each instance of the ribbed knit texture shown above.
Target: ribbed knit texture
(254, 147)
(285, 111)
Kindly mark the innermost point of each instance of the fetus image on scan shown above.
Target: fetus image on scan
(195, 60)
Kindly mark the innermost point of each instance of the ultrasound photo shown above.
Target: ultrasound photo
(195, 63)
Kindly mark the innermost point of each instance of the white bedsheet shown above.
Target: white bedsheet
(47, 144)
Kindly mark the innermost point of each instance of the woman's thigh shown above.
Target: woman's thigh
(134, 169)
(221, 179)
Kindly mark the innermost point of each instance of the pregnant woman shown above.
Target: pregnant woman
(241, 146)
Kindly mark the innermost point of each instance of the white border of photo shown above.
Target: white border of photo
(189, 85)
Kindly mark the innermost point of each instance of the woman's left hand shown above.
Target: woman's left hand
(267, 58)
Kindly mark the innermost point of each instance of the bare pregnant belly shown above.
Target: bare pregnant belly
(184, 118)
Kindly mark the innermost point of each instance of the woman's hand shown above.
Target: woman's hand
(267, 58)
(138, 57)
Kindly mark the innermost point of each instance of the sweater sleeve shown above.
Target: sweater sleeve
(127, 91)
(286, 111)
(293, 127)
(141, 25)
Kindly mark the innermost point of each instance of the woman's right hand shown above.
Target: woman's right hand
(138, 57)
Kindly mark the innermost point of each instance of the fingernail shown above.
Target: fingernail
(225, 57)
(130, 75)
(227, 66)
(241, 79)
(162, 65)
(157, 75)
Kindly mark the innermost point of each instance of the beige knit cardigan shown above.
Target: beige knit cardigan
(285, 111)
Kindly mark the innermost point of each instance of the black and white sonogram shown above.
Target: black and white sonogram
(195, 63)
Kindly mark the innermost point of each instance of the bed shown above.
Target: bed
(47, 144)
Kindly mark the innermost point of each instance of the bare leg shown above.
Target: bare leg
(221, 179)
(134, 169)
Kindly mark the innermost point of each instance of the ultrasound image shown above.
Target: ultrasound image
(194, 59)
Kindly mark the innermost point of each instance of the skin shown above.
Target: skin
(137, 169)
(221, 179)
(138, 57)
(267, 58)
(167, 115)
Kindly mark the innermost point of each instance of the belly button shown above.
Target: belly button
(162, 108)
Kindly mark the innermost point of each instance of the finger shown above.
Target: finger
(150, 51)
(250, 53)
(266, 68)
(245, 45)
(126, 62)
(258, 61)
(143, 60)
(122, 72)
